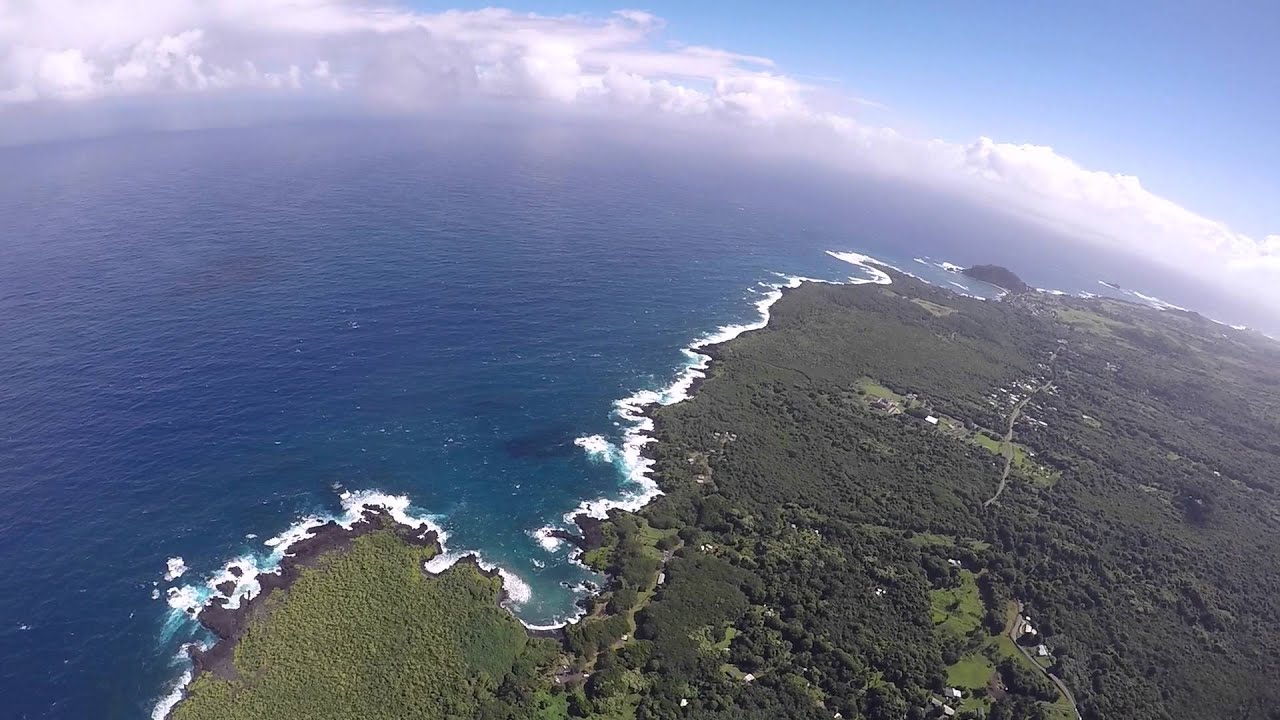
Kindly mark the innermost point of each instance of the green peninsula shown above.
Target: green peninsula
(892, 503)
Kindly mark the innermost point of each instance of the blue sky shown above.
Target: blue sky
(1183, 94)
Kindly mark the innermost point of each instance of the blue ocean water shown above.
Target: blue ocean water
(209, 335)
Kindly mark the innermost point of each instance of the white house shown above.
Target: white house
(952, 693)
(931, 420)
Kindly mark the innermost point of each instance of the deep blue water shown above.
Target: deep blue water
(204, 332)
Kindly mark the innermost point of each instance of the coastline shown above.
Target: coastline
(229, 624)
(236, 595)
(639, 410)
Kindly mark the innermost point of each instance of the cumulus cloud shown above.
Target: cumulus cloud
(77, 52)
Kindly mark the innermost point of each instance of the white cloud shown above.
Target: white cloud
(77, 51)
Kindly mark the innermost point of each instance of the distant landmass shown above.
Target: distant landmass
(1001, 277)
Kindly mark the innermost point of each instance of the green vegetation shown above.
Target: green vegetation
(818, 555)
(826, 536)
(366, 634)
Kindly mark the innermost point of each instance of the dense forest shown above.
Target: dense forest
(895, 503)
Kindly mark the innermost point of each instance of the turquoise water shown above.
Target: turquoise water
(211, 336)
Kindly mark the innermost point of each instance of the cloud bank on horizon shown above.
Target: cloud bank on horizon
(58, 53)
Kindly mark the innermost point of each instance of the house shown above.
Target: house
(662, 577)
(748, 677)
(948, 711)
(931, 420)
(954, 562)
(1042, 651)
(952, 693)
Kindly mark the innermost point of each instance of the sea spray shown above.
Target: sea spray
(175, 568)
(178, 689)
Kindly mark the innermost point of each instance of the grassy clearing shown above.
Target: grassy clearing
(1090, 322)
(873, 389)
(972, 672)
(995, 447)
(958, 610)
(934, 308)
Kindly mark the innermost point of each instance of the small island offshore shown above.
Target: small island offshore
(891, 502)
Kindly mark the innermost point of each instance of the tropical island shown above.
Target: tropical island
(891, 502)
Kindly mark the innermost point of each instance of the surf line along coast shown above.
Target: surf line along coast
(231, 623)
(229, 615)
(637, 456)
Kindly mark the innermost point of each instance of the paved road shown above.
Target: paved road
(1014, 633)
(1008, 435)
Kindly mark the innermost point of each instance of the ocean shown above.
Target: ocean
(211, 336)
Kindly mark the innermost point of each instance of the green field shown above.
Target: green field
(957, 610)
(971, 672)
(1087, 321)
(873, 389)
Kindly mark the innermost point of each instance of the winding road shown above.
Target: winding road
(1006, 444)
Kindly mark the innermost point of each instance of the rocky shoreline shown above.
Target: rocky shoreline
(229, 624)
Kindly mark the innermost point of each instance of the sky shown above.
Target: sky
(1145, 128)
(1182, 94)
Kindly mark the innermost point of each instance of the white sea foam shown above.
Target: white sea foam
(922, 261)
(167, 703)
(950, 267)
(878, 276)
(1157, 302)
(176, 568)
(962, 287)
(518, 591)
(187, 599)
(597, 447)
(190, 599)
(543, 535)
(443, 561)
